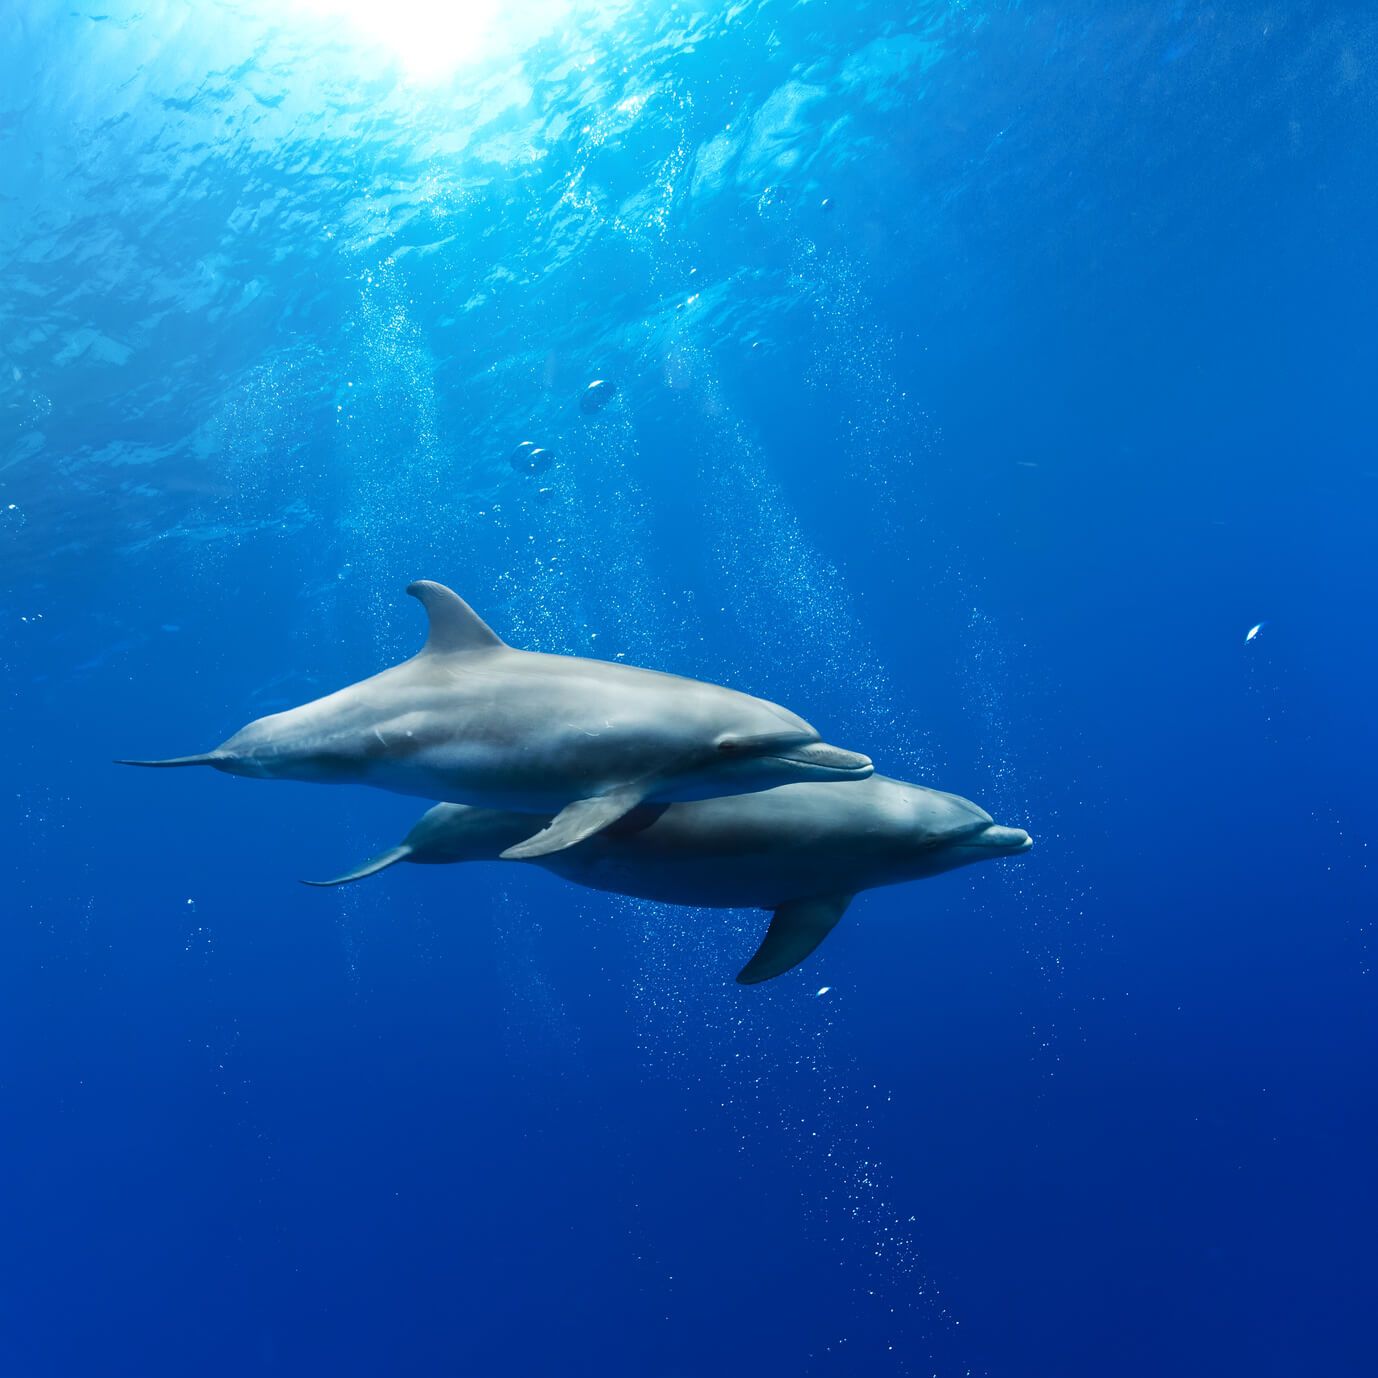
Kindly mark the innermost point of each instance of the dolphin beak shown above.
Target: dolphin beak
(829, 760)
(1010, 841)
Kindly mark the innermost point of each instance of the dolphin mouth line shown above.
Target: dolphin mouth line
(826, 757)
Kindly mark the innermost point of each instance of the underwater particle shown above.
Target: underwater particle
(822, 990)
(530, 458)
(826, 205)
(597, 395)
(1254, 631)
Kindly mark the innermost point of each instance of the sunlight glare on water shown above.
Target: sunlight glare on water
(433, 39)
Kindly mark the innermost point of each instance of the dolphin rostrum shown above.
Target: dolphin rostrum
(800, 850)
(472, 720)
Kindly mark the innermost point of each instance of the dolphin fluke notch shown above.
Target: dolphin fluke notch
(205, 758)
(795, 930)
(370, 868)
(455, 626)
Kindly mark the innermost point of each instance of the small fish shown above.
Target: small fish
(1254, 631)
(823, 990)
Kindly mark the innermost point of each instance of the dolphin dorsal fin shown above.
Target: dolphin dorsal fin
(455, 626)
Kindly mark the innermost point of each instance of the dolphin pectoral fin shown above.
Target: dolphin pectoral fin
(370, 868)
(454, 625)
(795, 930)
(575, 822)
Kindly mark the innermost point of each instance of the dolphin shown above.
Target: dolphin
(472, 720)
(800, 850)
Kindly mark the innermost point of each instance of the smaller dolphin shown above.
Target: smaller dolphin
(473, 720)
(800, 850)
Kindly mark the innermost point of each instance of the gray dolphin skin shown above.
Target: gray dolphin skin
(471, 720)
(800, 850)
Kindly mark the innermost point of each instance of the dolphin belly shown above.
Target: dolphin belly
(624, 867)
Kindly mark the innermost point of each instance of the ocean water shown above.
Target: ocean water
(985, 373)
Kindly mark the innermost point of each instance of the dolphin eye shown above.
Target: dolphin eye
(728, 745)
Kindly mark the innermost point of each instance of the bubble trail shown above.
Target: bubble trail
(788, 608)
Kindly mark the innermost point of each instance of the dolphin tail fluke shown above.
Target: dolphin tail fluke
(795, 930)
(575, 822)
(205, 758)
(370, 868)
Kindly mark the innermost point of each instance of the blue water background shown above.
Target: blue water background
(986, 467)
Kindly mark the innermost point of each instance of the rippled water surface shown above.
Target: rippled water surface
(983, 374)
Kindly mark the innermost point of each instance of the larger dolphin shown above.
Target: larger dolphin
(473, 721)
(802, 851)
